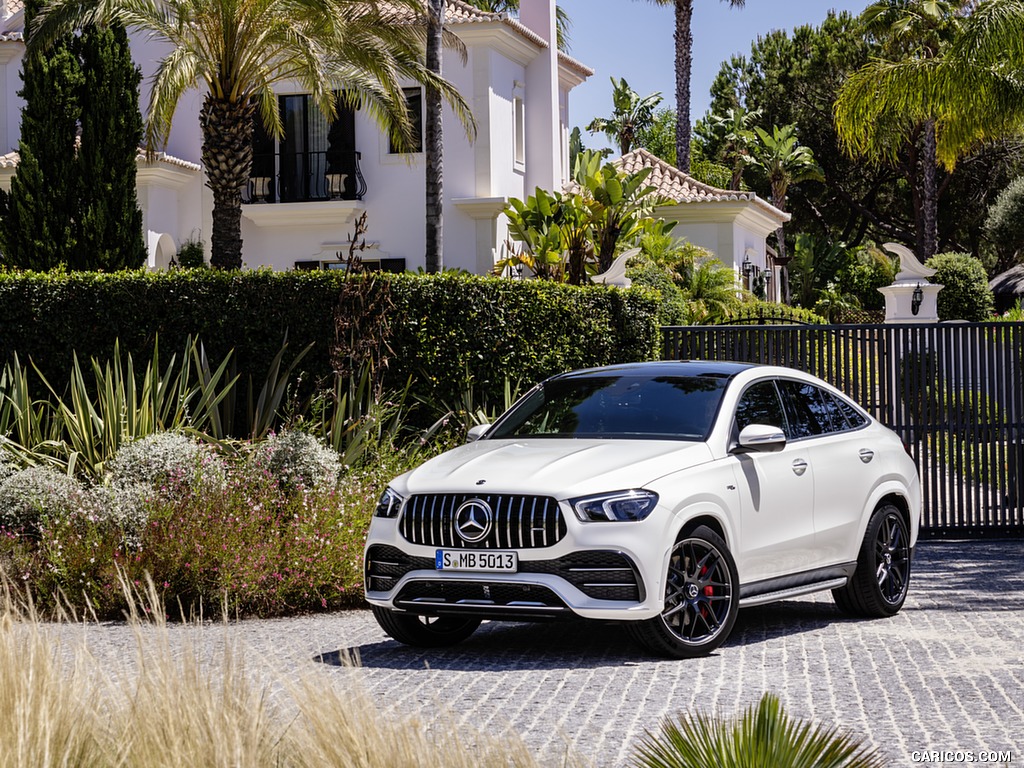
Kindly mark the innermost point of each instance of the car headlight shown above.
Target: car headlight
(618, 506)
(389, 504)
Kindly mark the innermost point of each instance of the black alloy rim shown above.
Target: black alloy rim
(892, 557)
(698, 592)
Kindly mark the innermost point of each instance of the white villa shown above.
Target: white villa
(308, 188)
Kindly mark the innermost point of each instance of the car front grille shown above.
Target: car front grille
(602, 575)
(517, 522)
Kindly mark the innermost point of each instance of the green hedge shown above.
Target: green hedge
(445, 328)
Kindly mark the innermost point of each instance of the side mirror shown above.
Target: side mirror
(475, 433)
(760, 438)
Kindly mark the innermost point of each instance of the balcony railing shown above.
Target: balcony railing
(299, 177)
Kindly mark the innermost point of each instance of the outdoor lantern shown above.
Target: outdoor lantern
(916, 299)
(746, 266)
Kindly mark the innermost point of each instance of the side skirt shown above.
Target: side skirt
(795, 585)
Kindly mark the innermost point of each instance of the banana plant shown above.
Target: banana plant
(619, 203)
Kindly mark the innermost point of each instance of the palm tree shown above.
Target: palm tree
(631, 115)
(764, 735)
(784, 161)
(237, 50)
(875, 117)
(433, 142)
(732, 134)
(684, 61)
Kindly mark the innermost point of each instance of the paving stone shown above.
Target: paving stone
(946, 673)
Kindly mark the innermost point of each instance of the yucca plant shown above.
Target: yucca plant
(764, 736)
(361, 418)
(81, 428)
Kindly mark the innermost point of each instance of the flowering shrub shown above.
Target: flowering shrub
(6, 467)
(31, 495)
(160, 459)
(297, 461)
(247, 543)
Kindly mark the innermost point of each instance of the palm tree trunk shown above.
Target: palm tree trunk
(927, 237)
(684, 61)
(227, 156)
(433, 143)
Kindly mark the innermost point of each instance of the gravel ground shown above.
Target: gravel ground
(946, 675)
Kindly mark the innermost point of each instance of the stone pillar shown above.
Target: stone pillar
(911, 298)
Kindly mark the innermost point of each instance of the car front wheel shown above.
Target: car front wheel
(879, 585)
(424, 631)
(701, 599)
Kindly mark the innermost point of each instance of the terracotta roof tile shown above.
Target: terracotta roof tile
(676, 185)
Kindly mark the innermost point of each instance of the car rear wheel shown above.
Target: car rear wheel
(879, 585)
(424, 631)
(701, 599)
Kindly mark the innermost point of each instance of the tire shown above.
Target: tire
(879, 586)
(701, 599)
(424, 631)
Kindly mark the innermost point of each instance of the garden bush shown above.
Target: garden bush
(441, 326)
(247, 543)
(755, 311)
(157, 460)
(965, 295)
(296, 461)
(32, 495)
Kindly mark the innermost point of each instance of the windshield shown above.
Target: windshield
(660, 407)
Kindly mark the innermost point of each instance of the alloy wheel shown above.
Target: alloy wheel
(698, 592)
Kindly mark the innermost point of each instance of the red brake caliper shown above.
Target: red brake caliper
(709, 591)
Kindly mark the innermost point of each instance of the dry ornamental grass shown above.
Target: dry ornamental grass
(173, 705)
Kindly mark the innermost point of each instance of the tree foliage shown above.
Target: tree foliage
(795, 77)
(631, 115)
(562, 234)
(38, 215)
(110, 228)
(1004, 226)
(73, 200)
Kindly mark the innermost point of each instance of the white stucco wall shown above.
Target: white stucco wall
(478, 176)
(11, 54)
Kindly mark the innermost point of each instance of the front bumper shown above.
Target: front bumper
(596, 571)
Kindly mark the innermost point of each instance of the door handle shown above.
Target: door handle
(799, 466)
(866, 455)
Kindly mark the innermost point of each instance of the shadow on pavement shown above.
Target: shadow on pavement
(947, 575)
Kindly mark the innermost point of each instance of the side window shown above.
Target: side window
(854, 418)
(760, 405)
(811, 411)
(414, 106)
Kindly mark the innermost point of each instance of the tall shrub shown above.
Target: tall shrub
(110, 228)
(73, 198)
(966, 295)
(37, 229)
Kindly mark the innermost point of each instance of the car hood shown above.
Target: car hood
(561, 468)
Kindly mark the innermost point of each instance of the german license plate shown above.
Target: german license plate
(480, 562)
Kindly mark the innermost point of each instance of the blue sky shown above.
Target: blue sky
(634, 39)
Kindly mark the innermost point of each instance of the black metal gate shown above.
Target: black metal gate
(954, 392)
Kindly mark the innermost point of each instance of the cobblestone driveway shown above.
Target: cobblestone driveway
(946, 674)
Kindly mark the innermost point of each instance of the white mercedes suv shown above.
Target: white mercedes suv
(666, 495)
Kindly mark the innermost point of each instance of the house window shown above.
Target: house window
(519, 128)
(315, 159)
(414, 108)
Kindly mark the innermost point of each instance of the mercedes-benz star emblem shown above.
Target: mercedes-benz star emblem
(473, 520)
